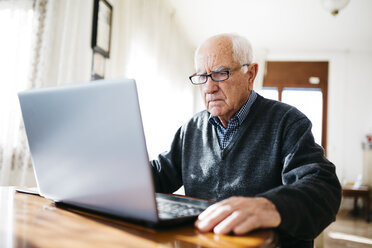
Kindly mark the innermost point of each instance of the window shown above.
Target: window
(303, 85)
(269, 92)
(309, 102)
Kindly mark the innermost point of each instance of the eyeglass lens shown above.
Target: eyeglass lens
(219, 76)
(216, 76)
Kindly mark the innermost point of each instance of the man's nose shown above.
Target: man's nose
(210, 86)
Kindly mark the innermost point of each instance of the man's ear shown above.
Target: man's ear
(252, 73)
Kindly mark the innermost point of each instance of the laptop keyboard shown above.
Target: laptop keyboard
(170, 209)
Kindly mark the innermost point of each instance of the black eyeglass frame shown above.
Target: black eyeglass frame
(210, 75)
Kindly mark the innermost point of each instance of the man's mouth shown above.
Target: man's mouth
(214, 99)
(214, 102)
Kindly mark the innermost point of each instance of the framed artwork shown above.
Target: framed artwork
(98, 66)
(101, 32)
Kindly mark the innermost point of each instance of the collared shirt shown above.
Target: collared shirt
(225, 135)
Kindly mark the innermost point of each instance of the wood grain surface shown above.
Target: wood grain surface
(33, 221)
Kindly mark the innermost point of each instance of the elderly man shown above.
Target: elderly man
(256, 157)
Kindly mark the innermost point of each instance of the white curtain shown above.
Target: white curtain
(62, 51)
(150, 46)
(44, 42)
(16, 25)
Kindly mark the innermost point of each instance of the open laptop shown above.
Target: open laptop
(88, 150)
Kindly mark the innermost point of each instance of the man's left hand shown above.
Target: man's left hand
(239, 215)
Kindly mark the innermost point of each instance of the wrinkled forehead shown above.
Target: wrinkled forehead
(214, 54)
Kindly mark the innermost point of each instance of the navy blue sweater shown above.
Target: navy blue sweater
(272, 155)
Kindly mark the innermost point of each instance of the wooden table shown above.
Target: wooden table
(356, 192)
(33, 221)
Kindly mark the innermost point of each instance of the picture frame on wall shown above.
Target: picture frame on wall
(98, 66)
(102, 23)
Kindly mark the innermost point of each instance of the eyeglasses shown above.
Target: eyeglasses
(216, 76)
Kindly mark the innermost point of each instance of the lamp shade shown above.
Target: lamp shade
(334, 6)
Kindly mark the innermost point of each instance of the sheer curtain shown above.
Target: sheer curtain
(44, 42)
(16, 25)
(63, 52)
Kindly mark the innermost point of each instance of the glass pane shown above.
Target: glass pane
(269, 92)
(309, 102)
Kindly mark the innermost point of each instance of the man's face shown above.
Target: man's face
(222, 99)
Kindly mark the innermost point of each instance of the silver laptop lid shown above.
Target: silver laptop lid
(88, 147)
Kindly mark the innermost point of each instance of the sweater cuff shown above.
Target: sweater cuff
(283, 210)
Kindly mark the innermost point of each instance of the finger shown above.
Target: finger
(215, 217)
(247, 225)
(208, 211)
(228, 224)
(211, 209)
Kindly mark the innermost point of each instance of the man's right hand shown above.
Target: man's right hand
(239, 215)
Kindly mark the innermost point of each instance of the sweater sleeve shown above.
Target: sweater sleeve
(166, 169)
(310, 195)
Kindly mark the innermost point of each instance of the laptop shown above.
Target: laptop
(88, 151)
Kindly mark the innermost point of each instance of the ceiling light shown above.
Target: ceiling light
(334, 6)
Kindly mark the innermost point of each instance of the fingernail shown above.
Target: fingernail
(218, 230)
(202, 224)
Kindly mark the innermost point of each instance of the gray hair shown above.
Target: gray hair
(242, 49)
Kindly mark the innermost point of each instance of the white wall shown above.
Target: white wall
(349, 104)
(358, 110)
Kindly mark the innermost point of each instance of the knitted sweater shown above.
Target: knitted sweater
(272, 155)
